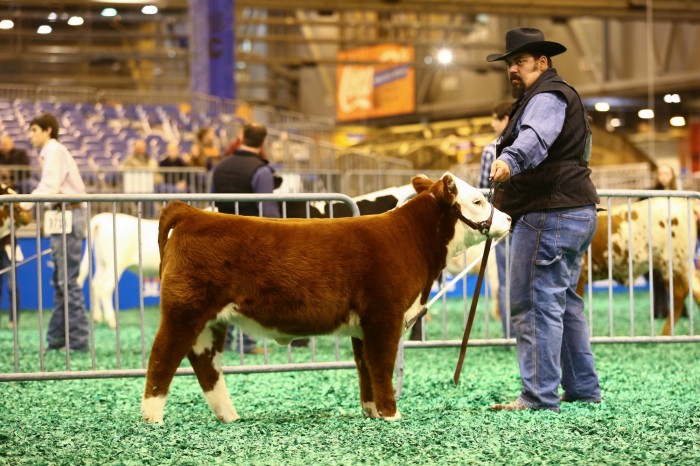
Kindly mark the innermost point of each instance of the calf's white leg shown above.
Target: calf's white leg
(206, 359)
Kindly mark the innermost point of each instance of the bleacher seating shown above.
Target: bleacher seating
(103, 134)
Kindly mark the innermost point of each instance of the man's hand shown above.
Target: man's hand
(500, 171)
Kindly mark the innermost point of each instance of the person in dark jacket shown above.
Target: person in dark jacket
(542, 161)
(245, 171)
(19, 179)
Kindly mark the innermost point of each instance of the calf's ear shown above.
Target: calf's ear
(448, 191)
(421, 183)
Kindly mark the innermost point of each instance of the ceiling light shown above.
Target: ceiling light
(677, 121)
(672, 99)
(43, 29)
(6, 24)
(109, 12)
(149, 10)
(75, 21)
(646, 114)
(615, 122)
(52, 16)
(602, 106)
(444, 56)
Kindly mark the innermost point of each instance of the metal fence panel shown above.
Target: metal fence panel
(121, 351)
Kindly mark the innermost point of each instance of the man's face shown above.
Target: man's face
(523, 71)
(38, 137)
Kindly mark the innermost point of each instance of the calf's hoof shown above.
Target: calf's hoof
(370, 409)
(395, 417)
(152, 409)
(228, 417)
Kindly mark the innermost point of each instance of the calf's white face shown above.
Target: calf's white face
(475, 207)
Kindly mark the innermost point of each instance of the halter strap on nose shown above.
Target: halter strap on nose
(482, 227)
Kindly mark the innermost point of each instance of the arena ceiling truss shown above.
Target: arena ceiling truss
(277, 40)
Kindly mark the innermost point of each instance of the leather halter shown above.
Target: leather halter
(482, 227)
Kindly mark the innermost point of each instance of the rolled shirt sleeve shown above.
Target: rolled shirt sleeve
(537, 129)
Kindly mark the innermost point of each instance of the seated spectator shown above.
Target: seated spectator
(141, 175)
(19, 179)
(196, 157)
(175, 181)
(209, 146)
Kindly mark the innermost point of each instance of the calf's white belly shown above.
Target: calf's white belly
(231, 315)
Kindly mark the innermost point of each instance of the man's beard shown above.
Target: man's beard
(517, 87)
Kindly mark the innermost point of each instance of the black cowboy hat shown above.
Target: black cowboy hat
(530, 40)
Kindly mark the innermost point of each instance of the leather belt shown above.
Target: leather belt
(72, 205)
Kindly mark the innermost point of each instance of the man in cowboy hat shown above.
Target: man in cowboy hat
(542, 161)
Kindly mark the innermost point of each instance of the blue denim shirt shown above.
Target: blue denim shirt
(536, 130)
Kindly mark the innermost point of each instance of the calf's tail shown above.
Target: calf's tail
(169, 217)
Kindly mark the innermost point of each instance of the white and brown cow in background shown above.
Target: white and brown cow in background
(365, 277)
(622, 245)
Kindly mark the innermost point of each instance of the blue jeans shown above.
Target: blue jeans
(6, 262)
(502, 289)
(547, 314)
(78, 328)
(249, 343)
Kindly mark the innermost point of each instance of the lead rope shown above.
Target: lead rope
(477, 290)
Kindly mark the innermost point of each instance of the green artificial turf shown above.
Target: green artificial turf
(650, 413)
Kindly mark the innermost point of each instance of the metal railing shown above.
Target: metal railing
(145, 236)
(608, 323)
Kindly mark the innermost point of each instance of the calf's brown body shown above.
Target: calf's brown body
(288, 278)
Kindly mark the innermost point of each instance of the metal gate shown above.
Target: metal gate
(122, 351)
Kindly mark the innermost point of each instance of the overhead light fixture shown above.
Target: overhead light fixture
(52, 16)
(127, 2)
(615, 122)
(672, 99)
(109, 12)
(646, 114)
(444, 56)
(602, 106)
(44, 29)
(149, 10)
(75, 21)
(6, 24)
(677, 121)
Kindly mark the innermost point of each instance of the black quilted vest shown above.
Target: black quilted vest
(563, 178)
(234, 174)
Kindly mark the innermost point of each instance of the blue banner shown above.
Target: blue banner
(29, 286)
(212, 48)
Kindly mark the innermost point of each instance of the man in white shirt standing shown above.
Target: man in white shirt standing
(60, 175)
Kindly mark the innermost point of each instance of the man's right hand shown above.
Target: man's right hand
(500, 171)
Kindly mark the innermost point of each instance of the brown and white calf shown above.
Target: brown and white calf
(365, 277)
(632, 238)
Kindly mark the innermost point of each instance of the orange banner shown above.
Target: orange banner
(373, 91)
